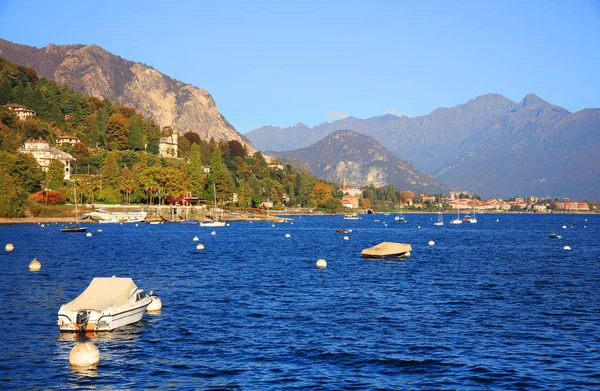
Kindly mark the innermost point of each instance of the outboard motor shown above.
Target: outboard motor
(83, 317)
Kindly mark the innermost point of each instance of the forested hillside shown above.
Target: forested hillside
(117, 161)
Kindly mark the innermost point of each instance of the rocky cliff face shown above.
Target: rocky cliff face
(361, 161)
(96, 72)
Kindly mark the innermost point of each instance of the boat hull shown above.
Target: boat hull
(106, 320)
(213, 224)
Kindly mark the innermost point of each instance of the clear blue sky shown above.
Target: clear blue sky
(282, 62)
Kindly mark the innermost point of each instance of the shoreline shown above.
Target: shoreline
(275, 216)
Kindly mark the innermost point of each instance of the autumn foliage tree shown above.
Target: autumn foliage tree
(117, 132)
(48, 197)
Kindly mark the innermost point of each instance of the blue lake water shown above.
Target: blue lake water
(493, 305)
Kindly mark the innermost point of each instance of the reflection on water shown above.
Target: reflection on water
(492, 305)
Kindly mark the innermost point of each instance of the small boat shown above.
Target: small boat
(555, 236)
(457, 220)
(111, 221)
(440, 216)
(216, 222)
(473, 219)
(342, 231)
(189, 221)
(352, 216)
(212, 223)
(106, 304)
(387, 250)
(400, 217)
(75, 226)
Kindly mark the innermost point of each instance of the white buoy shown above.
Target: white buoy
(497, 220)
(385, 225)
(200, 246)
(35, 265)
(346, 238)
(321, 263)
(88, 234)
(273, 225)
(288, 235)
(349, 230)
(227, 224)
(42, 225)
(566, 248)
(292, 223)
(84, 355)
(195, 239)
(99, 230)
(564, 226)
(418, 226)
(155, 306)
(9, 247)
(213, 233)
(431, 243)
(136, 225)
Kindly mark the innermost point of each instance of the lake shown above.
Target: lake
(492, 305)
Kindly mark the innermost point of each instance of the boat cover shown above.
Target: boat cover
(387, 249)
(102, 293)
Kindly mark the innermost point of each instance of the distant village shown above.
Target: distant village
(351, 196)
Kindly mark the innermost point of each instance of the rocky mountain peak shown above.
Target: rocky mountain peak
(99, 73)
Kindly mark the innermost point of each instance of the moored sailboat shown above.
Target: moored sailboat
(74, 227)
(216, 222)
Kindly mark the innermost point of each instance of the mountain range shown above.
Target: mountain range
(96, 72)
(491, 145)
(360, 160)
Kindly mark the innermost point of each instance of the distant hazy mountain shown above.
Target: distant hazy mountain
(96, 72)
(491, 145)
(361, 160)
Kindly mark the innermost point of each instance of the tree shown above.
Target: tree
(321, 192)
(117, 132)
(12, 196)
(365, 203)
(110, 172)
(195, 171)
(136, 138)
(56, 174)
(24, 170)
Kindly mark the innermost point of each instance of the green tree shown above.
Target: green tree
(56, 174)
(25, 171)
(117, 132)
(136, 138)
(110, 173)
(195, 171)
(12, 196)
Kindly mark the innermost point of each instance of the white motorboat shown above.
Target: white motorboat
(212, 223)
(352, 216)
(106, 304)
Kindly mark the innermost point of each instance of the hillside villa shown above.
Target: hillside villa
(44, 154)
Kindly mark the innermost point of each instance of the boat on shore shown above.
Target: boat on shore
(189, 221)
(103, 216)
(106, 304)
